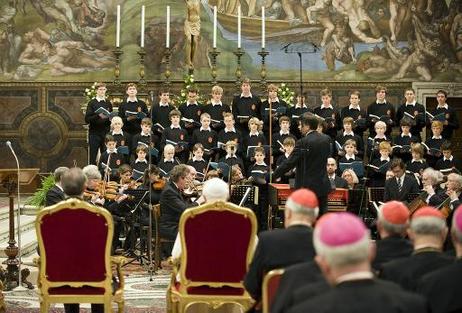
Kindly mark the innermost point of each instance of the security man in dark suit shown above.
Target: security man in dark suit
(392, 224)
(283, 247)
(442, 287)
(310, 158)
(172, 203)
(399, 187)
(335, 180)
(56, 194)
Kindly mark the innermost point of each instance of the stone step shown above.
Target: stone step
(28, 235)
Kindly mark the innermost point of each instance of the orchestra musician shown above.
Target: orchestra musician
(399, 187)
(56, 194)
(431, 180)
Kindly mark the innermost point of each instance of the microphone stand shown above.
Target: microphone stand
(366, 174)
(18, 224)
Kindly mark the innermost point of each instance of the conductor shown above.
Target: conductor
(309, 158)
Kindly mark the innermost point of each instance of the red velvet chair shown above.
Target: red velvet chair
(270, 288)
(217, 242)
(75, 264)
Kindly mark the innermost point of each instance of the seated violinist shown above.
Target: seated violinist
(454, 191)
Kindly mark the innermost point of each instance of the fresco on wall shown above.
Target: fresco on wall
(73, 40)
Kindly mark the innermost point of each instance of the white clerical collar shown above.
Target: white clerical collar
(362, 275)
(327, 106)
(385, 159)
(254, 134)
(100, 98)
(117, 133)
(115, 150)
(205, 129)
(444, 106)
(173, 127)
(244, 96)
(232, 130)
(197, 159)
(141, 161)
(404, 135)
(410, 104)
(351, 107)
(282, 133)
(163, 104)
(450, 159)
(415, 161)
(216, 103)
(437, 137)
(351, 133)
(135, 99)
(261, 164)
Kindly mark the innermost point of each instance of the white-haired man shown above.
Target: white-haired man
(214, 189)
(442, 287)
(392, 224)
(428, 232)
(430, 181)
(343, 252)
(283, 247)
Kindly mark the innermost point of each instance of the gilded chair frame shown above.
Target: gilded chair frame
(44, 284)
(266, 280)
(178, 300)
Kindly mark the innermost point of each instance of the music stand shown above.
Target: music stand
(9, 181)
(139, 195)
(239, 191)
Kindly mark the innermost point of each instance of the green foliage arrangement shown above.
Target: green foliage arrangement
(189, 83)
(38, 198)
(286, 94)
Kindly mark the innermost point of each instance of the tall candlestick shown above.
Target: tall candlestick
(118, 27)
(167, 39)
(215, 26)
(142, 27)
(263, 27)
(239, 26)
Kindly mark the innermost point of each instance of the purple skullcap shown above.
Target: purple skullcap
(341, 229)
(457, 221)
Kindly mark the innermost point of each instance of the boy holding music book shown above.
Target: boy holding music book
(111, 159)
(380, 166)
(216, 109)
(280, 136)
(160, 112)
(191, 112)
(254, 138)
(197, 161)
(294, 114)
(206, 136)
(413, 112)
(176, 136)
(245, 106)
(402, 143)
(448, 163)
(229, 133)
(433, 144)
(445, 114)
(259, 174)
(289, 145)
(167, 163)
(382, 110)
(278, 108)
(140, 164)
(348, 134)
(373, 143)
(231, 158)
(146, 138)
(326, 112)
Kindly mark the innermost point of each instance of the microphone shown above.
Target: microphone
(18, 218)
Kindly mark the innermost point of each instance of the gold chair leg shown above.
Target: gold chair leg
(44, 307)
(120, 306)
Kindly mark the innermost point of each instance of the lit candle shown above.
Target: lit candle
(142, 27)
(118, 27)
(167, 39)
(263, 27)
(215, 26)
(239, 26)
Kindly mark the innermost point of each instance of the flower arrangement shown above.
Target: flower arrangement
(286, 94)
(189, 83)
(90, 93)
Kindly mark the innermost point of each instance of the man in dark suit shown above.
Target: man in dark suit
(442, 287)
(427, 231)
(283, 247)
(335, 180)
(172, 203)
(56, 194)
(343, 253)
(310, 158)
(399, 187)
(392, 224)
